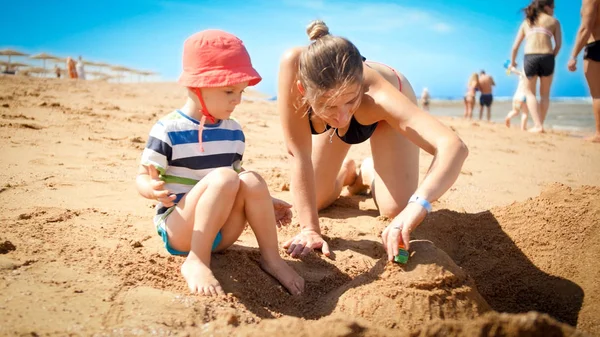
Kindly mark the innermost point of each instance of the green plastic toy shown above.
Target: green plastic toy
(402, 256)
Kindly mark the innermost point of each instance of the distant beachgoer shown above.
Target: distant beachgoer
(425, 98)
(80, 69)
(71, 68)
(519, 100)
(486, 98)
(589, 32)
(472, 87)
(57, 71)
(192, 166)
(538, 29)
(330, 98)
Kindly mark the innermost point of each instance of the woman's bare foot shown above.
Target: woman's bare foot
(594, 139)
(349, 171)
(285, 274)
(200, 278)
(507, 122)
(366, 174)
(536, 129)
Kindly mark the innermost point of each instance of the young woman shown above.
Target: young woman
(538, 30)
(329, 91)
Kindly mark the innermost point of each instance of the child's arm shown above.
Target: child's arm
(150, 186)
(516, 72)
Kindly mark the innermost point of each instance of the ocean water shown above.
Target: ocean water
(565, 114)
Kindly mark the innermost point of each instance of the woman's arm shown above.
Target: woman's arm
(517, 44)
(557, 38)
(426, 132)
(297, 136)
(432, 136)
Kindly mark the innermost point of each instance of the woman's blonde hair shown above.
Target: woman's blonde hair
(329, 62)
(474, 78)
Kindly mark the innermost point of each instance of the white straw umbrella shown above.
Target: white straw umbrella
(11, 52)
(44, 57)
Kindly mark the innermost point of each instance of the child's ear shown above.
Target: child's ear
(300, 87)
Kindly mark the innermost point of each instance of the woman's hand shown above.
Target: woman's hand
(305, 242)
(283, 212)
(400, 228)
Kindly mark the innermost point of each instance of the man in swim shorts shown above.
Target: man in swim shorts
(486, 82)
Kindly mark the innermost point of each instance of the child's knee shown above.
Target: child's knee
(225, 178)
(252, 182)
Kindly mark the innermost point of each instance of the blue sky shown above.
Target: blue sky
(435, 43)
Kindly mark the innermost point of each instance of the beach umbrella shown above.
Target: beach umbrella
(43, 57)
(102, 65)
(147, 73)
(119, 70)
(34, 70)
(15, 64)
(11, 52)
(97, 74)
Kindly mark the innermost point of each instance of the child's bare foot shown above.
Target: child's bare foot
(594, 139)
(285, 274)
(200, 278)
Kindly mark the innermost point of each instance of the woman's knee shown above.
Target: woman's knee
(390, 210)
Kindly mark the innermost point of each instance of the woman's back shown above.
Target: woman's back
(538, 37)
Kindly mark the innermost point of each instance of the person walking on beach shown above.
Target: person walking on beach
(538, 29)
(71, 68)
(57, 71)
(329, 98)
(80, 69)
(191, 166)
(589, 35)
(486, 98)
(472, 87)
(519, 99)
(425, 98)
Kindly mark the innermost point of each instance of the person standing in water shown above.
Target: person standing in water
(589, 32)
(80, 69)
(425, 98)
(538, 29)
(486, 82)
(472, 87)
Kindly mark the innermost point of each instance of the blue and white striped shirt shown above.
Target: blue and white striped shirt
(174, 150)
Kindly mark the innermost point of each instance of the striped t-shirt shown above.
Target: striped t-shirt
(174, 150)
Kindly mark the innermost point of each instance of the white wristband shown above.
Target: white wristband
(421, 201)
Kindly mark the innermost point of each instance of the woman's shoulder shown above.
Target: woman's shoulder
(291, 55)
(547, 20)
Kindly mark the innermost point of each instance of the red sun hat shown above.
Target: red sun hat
(214, 58)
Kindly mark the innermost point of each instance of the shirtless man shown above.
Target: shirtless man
(486, 82)
(589, 35)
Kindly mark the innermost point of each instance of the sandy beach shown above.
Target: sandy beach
(512, 249)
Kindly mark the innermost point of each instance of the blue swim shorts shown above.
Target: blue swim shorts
(160, 221)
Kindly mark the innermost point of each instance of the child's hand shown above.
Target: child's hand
(158, 188)
(283, 213)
